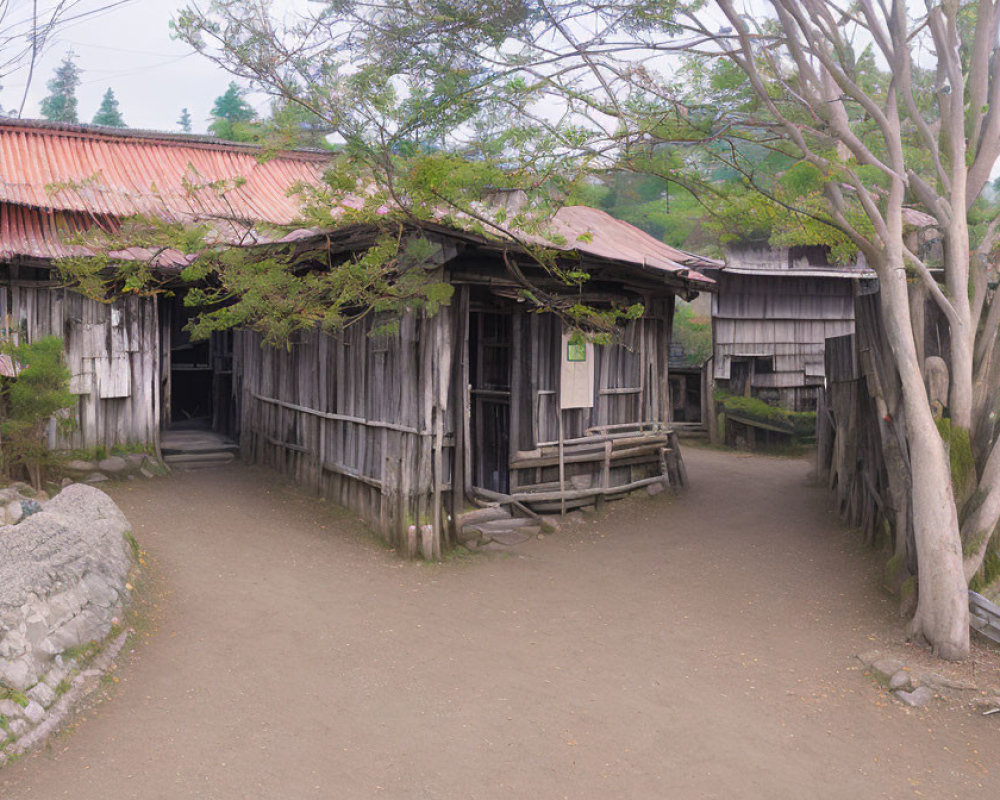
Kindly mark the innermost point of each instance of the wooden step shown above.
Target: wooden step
(508, 524)
(199, 460)
(481, 515)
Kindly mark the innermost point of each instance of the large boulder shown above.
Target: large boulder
(62, 580)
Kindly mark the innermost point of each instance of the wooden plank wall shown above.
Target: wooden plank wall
(861, 446)
(786, 318)
(631, 388)
(630, 384)
(112, 353)
(355, 417)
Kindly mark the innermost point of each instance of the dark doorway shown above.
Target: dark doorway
(490, 342)
(198, 379)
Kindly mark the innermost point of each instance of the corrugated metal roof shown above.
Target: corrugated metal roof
(57, 179)
(595, 232)
(39, 233)
(92, 170)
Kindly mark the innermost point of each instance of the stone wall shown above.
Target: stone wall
(64, 569)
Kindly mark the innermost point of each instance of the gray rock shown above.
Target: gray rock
(34, 712)
(654, 489)
(6, 495)
(869, 657)
(10, 709)
(79, 466)
(900, 680)
(146, 473)
(55, 676)
(113, 464)
(18, 727)
(62, 578)
(885, 668)
(576, 517)
(918, 698)
(18, 674)
(14, 512)
(135, 460)
(95, 477)
(42, 694)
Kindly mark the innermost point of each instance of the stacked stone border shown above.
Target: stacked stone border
(917, 687)
(66, 572)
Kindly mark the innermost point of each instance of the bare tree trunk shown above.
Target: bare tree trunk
(942, 616)
(962, 334)
(980, 526)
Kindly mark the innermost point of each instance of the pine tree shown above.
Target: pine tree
(185, 120)
(60, 105)
(108, 114)
(231, 115)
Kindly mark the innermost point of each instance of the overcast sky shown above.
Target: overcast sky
(130, 50)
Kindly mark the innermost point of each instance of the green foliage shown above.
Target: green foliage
(232, 116)
(7, 693)
(799, 424)
(108, 113)
(663, 209)
(61, 103)
(693, 333)
(39, 393)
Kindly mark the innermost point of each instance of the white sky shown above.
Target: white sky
(130, 50)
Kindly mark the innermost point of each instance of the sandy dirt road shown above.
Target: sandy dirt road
(697, 647)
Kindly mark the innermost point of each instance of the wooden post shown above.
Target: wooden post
(562, 463)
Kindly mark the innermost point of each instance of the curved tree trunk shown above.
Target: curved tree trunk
(942, 616)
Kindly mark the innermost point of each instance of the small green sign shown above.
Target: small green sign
(576, 352)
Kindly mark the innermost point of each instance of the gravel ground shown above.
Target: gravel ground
(693, 647)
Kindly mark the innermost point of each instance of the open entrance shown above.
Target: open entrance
(490, 342)
(199, 420)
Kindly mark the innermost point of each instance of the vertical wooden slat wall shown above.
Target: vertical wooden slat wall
(354, 417)
(112, 351)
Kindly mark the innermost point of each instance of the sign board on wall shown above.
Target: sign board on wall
(576, 389)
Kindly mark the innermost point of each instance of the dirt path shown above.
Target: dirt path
(688, 648)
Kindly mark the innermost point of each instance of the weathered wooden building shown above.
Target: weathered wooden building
(773, 312)
(126, 358)
(488, 398)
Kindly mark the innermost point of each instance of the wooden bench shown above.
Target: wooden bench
(984, 616)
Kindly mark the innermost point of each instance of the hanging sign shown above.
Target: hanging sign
(576, 388)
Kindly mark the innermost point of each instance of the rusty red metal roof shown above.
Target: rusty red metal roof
(596, 233)
(39, 233)
(120, 173)
(58, 179)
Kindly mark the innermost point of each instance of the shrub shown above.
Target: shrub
(28, 403)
